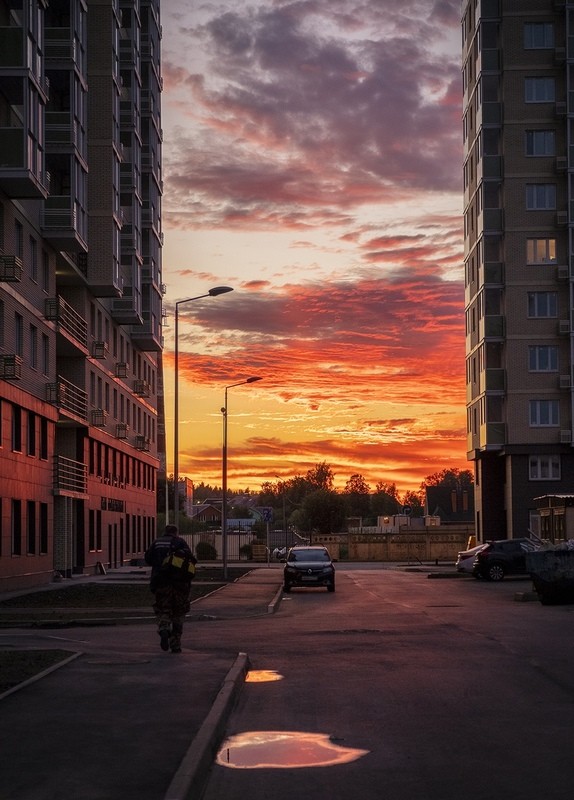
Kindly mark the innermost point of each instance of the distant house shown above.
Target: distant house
(451, 505)
(206, 513)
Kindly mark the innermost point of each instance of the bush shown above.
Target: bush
(205, 551)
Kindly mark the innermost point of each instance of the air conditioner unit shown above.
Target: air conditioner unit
(143, 443)
(10, 367)
(565, 381)
(562, 218)
(122, 430)
(564, 326)
(99, 417)
(10, 269)
(562, 273)
(565, 437)
(99, 349)
(142, 388)
(122, 367)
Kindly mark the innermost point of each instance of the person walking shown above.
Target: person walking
(172, 568)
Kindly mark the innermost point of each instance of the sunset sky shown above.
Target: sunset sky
(312, 161)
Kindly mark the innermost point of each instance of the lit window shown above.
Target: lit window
(544, 413)
(541, 251)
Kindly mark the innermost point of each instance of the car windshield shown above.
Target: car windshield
(309, 555)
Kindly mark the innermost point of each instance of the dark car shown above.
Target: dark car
(309, 566)
(501, 557)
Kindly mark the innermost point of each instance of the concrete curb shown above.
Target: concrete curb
(189, 779)
(274, 604)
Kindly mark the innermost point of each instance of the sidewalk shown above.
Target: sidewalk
(122, 719)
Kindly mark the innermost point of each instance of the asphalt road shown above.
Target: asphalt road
(439, 688)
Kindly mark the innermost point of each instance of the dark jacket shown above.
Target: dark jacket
(162, 547)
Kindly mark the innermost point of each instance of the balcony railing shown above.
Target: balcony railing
(65, 395)
(70, 476)
(68, 319)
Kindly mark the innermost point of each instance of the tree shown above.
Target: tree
(321, 476)
(357, 496)
(414, 500)
(385, 500)
(324, 510)
(450, 479)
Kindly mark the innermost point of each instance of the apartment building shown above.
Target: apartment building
(518, 131)
(80, 285)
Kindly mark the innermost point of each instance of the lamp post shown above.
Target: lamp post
(224, 475)
(217, 290)
(284, 514)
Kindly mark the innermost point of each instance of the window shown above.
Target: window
(541, 251)
(543, 358)
(16, 429)
(33, 259)
(45, 355)
(45, 271)
(31, 527)
(540, 143)
(33, 347)
(540, 196)
(43, 438)
(539, 90)
(544, 468)
(19, 334)
(538, 35)
(32, 447)
(16, 527)
(43, 527)
(542, 304)
(544, 413)
(19, 239)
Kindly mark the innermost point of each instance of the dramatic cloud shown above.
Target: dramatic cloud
(312, 155)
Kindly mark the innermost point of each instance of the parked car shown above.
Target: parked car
(309, 566)
(501, 557)
(465, 559)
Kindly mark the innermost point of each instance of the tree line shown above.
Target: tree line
(310, 502)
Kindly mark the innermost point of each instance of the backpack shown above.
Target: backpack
(178, 566)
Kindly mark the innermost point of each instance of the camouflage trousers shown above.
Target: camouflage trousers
(170, 607)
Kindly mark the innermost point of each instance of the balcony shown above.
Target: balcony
(22, 171)
(70, 477)
(61, 225)
(493, 380)
(147, 336)
(69, 322)
(68, 398)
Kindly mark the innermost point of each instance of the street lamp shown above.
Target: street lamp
(217, 290)
(224, 476)
(284, 515)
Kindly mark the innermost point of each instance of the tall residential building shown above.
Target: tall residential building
(518, 129)
(80, 284)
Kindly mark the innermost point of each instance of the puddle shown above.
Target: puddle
(262, 676)
(284, 750)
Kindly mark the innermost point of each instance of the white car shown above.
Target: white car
(466, 558)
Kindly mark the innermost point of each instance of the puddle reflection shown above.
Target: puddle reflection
(262, 676)
(284, 750)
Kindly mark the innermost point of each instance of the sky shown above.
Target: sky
(312, 160)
